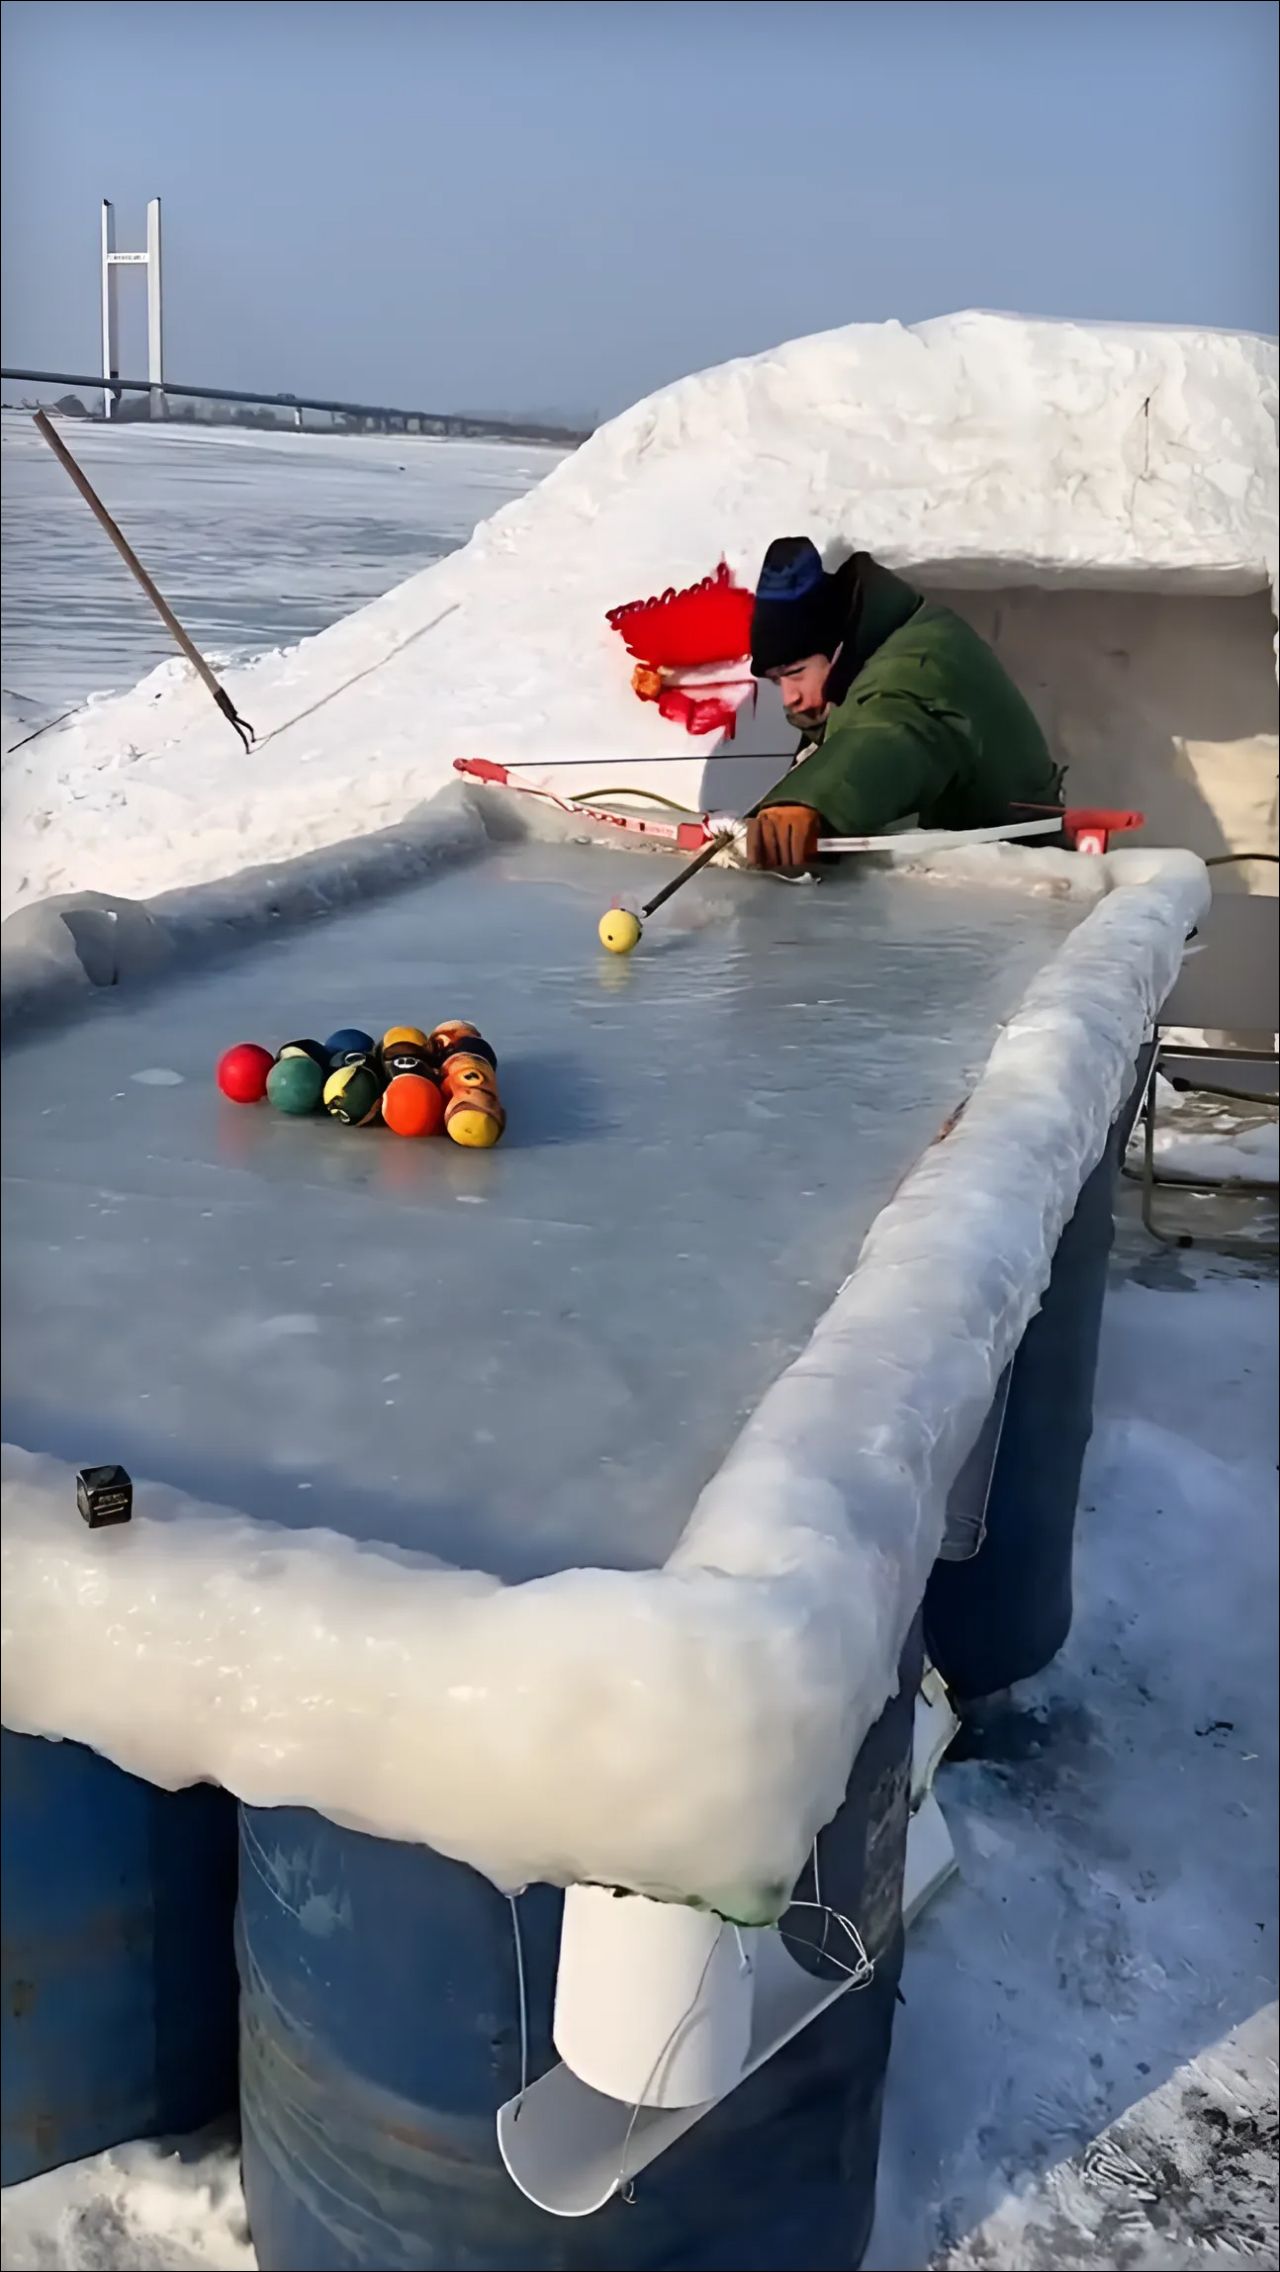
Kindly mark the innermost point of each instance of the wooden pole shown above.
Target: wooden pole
(136, 569)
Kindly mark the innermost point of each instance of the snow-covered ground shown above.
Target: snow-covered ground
(141, 2208)
(1084, 2070)
(256, 540)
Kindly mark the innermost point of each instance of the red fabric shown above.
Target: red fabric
(699, 712)
(709, 622)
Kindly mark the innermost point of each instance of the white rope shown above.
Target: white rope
(817, 1895)
(623, 2185)
(863, 1972)
(860, 1975)
(522, 1998)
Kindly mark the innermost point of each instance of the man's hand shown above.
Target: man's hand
(784, 836)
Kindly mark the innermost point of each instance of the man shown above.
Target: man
(905, 712)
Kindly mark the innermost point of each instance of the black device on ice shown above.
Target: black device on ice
(104, 1495)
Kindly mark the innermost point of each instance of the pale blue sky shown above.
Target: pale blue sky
(562, 204)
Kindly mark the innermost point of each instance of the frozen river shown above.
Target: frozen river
(255, 539)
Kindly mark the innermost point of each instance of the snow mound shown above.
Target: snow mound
(974, 450)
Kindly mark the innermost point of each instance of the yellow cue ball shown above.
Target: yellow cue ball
(619, 931)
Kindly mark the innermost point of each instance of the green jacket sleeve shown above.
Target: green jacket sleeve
(889, 759)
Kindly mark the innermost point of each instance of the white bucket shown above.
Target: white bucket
(653, 2000)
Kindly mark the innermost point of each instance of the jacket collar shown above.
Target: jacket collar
(875, 603)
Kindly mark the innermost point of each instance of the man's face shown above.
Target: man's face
(801, 686)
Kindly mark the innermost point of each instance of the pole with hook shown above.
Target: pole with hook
(136, 569)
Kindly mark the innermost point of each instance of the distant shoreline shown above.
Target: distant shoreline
(183, 405)
(265, 424)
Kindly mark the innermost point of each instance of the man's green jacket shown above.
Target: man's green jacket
(925, 723)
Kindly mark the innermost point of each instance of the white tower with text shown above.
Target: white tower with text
(112, 262)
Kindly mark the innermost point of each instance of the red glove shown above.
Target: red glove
(784, 836)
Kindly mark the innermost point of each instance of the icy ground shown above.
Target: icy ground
(255, 539)
(1084, 2071)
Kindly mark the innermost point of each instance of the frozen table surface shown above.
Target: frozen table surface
(520, 1359)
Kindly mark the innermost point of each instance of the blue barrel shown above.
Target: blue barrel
(119, 1971)
(380, 2034)
(1004, 1614)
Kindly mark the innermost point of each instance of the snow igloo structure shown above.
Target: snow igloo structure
(1099, 500)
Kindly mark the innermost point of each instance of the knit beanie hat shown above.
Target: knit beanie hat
(797, 607)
